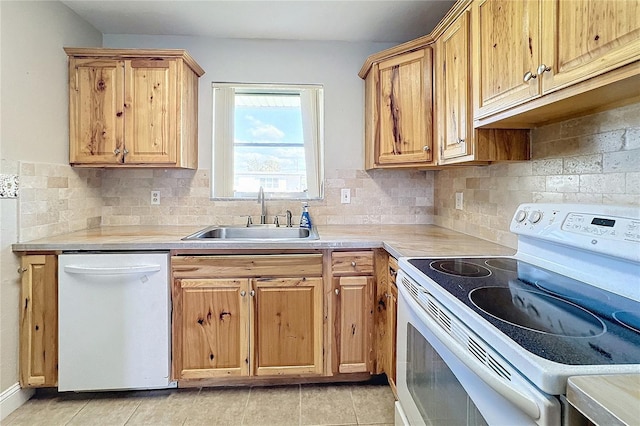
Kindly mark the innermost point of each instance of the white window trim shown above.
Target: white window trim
(222, 173)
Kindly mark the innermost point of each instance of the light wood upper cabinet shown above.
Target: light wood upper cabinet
(506, 48)
(585, 38)
(399, 109)
(39, 321)
(458, 141)
(526, 51)
(133, 108)
(452, 76)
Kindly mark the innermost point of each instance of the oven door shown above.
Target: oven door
(438, 382)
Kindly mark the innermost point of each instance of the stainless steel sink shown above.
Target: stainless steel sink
(254, 232)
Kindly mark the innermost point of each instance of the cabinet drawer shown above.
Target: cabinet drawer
(352, 263)
(240, 266)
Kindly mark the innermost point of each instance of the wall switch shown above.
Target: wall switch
(155, 197)
(345, 196)
(459, 203)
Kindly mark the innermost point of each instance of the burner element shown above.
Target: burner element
(628, 319)
(505, 264)
(536, 311)
(460, 268)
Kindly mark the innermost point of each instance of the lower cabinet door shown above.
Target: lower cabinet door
(211, 328)
(287, 326)
(354, 323)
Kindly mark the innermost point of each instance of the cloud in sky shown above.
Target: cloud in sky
(264, 131)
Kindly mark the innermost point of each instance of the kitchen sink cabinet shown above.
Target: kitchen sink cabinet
(458, 141)
(213, 339)
(353, 286)
(246, 315)
(135, 108)
(528, 50)
(39, 321)
(399, 110)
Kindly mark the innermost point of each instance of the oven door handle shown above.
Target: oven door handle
(515, 395)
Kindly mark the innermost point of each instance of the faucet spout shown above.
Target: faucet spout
(263, 209)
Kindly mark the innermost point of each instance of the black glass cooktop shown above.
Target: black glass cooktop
(548, 314)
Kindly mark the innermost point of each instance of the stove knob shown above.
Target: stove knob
(535, 216)
(520, 216)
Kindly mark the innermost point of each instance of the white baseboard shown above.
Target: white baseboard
(12, 398)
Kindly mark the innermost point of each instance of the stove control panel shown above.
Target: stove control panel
(613, 230)
(617, 228)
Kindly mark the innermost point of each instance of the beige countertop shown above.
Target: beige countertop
(606, 399)
(398, 240)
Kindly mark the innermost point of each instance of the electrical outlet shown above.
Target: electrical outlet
(345, 196)
(459, 203)
(155, 197)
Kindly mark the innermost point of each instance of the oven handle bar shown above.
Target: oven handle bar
(515, 395)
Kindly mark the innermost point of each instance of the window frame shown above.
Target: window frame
(312, 108)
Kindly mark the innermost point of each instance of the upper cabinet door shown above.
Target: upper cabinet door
(405, 100)
(585, 38)
(96, 111)
(506, 53)
(152, 110)
(453, 85)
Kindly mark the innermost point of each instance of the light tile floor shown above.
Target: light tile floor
(336, 404)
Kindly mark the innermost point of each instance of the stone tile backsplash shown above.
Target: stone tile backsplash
(376, 197)
(55, 198)
(593, 159)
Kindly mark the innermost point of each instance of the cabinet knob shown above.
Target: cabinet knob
(126, 151)
(337, 292)
(529, 76)
(243, 293)
(542, 68)
(252, 293)
(426, 148)
(116, 151)
(21, 270)
(353, 264)
(460, 141)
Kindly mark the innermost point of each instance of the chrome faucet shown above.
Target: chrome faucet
(289, 225)
(263, 211)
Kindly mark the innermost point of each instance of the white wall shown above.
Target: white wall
(332, 64)
(34, 127)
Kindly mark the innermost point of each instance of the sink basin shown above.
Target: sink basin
(254, 232)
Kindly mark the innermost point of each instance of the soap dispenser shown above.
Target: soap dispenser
(305, 219)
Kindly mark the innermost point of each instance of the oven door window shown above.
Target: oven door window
(434, 388)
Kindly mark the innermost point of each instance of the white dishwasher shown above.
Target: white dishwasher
(114, 321)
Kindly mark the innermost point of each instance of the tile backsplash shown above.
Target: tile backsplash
(593, 159)
(376, 197)
(55, 198)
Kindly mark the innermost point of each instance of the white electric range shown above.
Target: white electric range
(492, 340)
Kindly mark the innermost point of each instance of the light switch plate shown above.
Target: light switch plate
(9, 186)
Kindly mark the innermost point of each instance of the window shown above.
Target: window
(268, 136)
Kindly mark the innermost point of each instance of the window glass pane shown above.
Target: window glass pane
(268, 135)
(268, 143)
